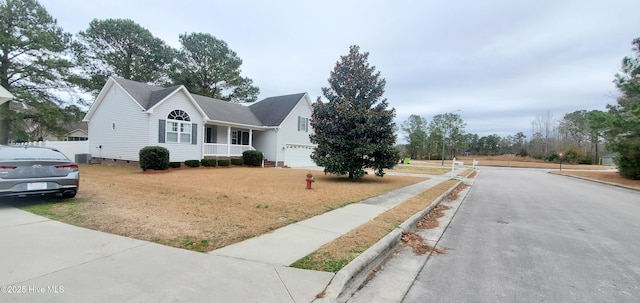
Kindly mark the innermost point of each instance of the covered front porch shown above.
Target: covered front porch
(226, 141)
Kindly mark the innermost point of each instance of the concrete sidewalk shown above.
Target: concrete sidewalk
(45, 260)
(290, 243)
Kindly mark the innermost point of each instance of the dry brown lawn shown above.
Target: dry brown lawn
(421, 169)
(334, 255)
(526, 162)
(207, 208)
(606, 176)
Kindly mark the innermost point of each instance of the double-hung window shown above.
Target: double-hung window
(303, 124)
(178, 127)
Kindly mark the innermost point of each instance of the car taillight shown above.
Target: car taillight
(7, 167)
(69, 165)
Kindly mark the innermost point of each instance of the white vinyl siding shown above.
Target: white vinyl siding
(178, 151)
(291, 130)
(118, 127)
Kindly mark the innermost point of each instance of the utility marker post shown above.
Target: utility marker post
(560, 155)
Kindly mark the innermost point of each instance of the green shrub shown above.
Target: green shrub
(192, 163)
(236, 161)
(154, 157)
(208, 162)
(252, 157)
(628, 160)
(174, 164)
(223, 162)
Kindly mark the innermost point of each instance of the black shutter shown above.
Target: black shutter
(299, 123)
(161, 130)
(194, 133)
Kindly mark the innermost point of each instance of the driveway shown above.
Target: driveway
(48, 261)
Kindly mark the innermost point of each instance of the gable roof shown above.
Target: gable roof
(224, 111)
(265, 113)
(145, 94)
(273, 110)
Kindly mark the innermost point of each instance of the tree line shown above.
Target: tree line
(578, 135)
(582, 136)
(48, 69)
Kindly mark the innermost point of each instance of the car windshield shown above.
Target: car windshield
(30, 153)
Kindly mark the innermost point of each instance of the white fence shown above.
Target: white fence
(68, 148)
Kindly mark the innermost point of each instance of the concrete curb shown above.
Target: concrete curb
(597, 181)
(347, 280)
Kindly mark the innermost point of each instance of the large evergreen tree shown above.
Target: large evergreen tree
(207, 66)
(120, 47)
(33, 65)
(624, 133)
(354, 130)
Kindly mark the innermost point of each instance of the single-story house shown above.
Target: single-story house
(128, 115)
(77, 132)
(608, 159)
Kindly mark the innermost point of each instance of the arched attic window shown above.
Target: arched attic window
(179, 128)
(178, 114)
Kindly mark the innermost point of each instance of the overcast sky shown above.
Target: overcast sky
(500, 62)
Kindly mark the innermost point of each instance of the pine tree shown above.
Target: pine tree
(354, 130)
(624, 131)
(33, 65)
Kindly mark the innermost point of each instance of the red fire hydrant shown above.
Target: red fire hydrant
(309, 179)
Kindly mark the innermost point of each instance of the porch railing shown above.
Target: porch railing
(225, 150)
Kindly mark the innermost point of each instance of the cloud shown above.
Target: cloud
(500, 62)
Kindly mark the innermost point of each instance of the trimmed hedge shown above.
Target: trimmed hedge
(192, 163)
(174, 164)
(223, 162)
(154, 157)
(236, 161)
(208, 162)
(252, 157)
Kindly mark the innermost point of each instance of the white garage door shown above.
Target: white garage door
(296, 155)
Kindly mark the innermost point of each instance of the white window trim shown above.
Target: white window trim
(186, 126)
(237, 136)
(303, 124)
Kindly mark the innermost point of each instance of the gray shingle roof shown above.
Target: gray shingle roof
(273, 110)
(268, 112)
(220, 110)
(146, 94)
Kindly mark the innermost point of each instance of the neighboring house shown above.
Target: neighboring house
(608, 159)
(127, 116)
(77, 132)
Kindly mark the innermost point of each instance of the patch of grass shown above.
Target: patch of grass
(430, 170)
(465, 173)
(334, 255)
(324, 263)
(200, 246)
(605, 176)
(67, 211)
(190, 243)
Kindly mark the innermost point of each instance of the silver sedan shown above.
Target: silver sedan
(32, 170)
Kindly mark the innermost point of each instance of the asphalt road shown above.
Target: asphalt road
(523, 235)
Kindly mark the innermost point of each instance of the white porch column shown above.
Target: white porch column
(251, 137)
(228, 141)
(204, 138)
